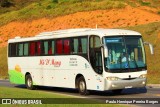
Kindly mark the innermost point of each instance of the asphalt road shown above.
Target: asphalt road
(147, 92)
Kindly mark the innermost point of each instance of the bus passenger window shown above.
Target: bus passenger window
(75, 46)
(45, 47)
(59, 46)
(25, 49)
(20, 48)
(66, 46)
(13, 49)
(49, 48)
(38, 48)
(53, 47)
(32, 49)
(84, 45)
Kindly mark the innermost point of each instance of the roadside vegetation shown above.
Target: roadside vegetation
(24, 93)
(54, 8)
(3, 63)
(21, 10)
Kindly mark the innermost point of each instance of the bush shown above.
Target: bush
(6, 3)
(55, 1)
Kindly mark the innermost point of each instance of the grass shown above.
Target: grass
(3, 63)
(149, 3)
(48, 8)
(17, 5)
(24, 93)
(144, 3)
(28, 10)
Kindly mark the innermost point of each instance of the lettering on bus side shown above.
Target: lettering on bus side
(50, 62)
(73, 62)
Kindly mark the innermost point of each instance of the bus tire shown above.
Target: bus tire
(118, 91)
(29, 82)
(82, 87)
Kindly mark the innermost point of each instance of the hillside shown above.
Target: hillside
(112, 18)
(30, 18)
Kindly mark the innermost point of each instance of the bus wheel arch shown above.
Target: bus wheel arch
(76, 79)
(81, 84)
(29, 81)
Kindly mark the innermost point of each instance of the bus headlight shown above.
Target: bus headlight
(112, 78)
(143, 76)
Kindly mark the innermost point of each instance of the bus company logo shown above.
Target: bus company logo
(6, 101)
(50, 62)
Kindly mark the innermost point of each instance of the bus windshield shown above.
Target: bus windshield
(125, 52)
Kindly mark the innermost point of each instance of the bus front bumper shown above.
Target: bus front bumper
(124, 84)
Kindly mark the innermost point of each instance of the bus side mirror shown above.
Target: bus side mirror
(150, 47)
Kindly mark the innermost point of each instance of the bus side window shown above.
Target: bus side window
(32, 48)
(95, 54)
(75, 45)
(20, 49)
(83, 45)
(25, 49)
(66, 46)
(95, 42)
(13, 49)
(45, 47)
(38, 48)
(79, 46)
(53, 47)
(59, 46)
(50, 48)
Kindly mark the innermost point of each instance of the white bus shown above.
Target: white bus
(86, 59)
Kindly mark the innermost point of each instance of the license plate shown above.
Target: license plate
(128, 87)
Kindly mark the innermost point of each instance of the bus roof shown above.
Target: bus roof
(76, 32)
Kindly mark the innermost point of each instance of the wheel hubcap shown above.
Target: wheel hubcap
(29, 82)
(82, 86)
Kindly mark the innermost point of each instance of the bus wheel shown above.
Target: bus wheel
(118, 91)
(29, 82)
(82, 86)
